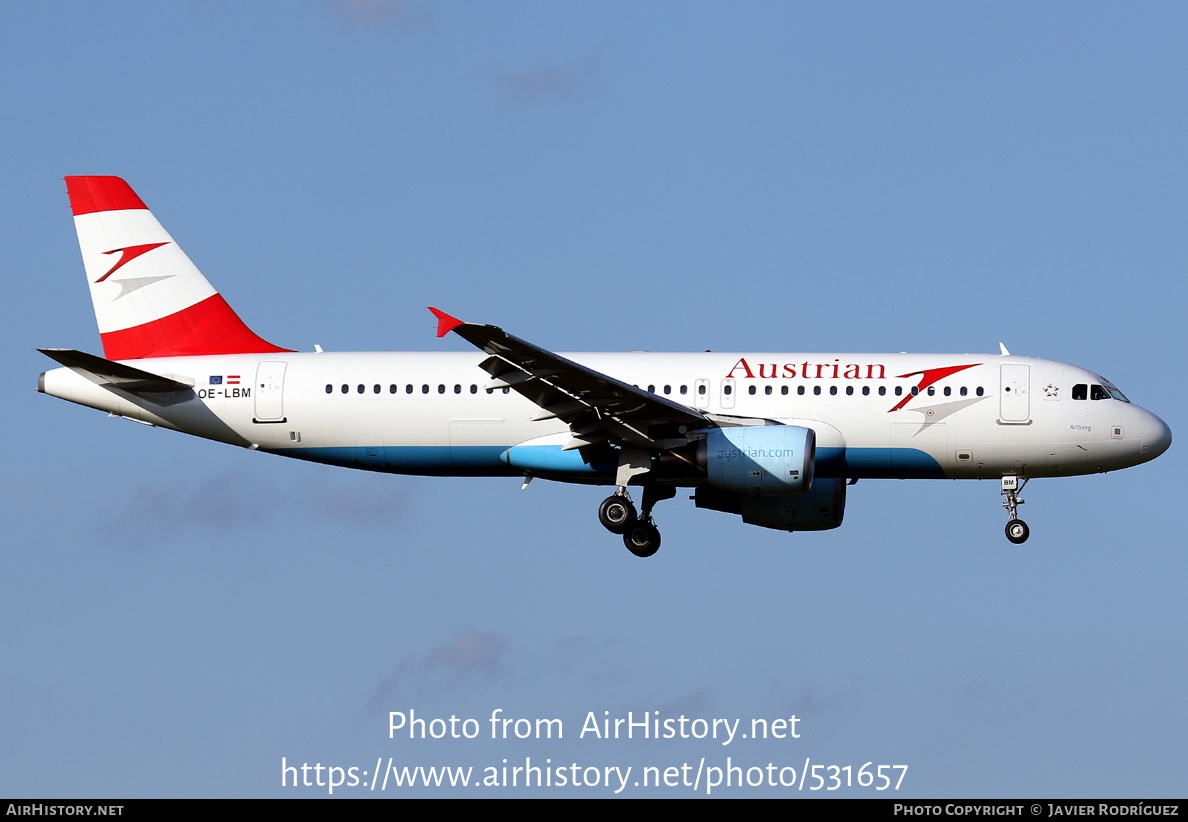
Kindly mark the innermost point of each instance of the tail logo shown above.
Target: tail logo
(128, 255)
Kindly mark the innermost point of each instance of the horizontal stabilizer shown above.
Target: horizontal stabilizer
(114, 374)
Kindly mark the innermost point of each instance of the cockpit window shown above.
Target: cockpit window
(1080, 391)
(1114, 392)
(1106, 391)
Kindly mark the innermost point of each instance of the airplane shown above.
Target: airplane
(773, 438)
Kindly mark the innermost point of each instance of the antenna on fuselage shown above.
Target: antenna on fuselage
(1002, 349)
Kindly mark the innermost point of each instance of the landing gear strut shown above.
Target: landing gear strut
(640, 535)
(1016, 529)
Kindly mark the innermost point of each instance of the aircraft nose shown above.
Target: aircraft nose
(1156, 436)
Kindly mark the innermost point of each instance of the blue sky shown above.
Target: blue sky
(177, 615)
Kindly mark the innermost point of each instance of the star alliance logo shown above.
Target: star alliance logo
(1050, 390)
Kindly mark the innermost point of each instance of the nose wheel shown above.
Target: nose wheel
(1016, 529)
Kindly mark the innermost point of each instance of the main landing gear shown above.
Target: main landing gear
(617, 515)
(1016, 530)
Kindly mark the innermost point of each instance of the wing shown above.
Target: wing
(598, 409)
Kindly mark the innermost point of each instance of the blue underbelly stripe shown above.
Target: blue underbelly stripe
(494, 460)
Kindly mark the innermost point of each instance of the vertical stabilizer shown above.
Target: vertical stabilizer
(150, 300)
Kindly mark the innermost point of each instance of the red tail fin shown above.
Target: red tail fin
(150, 300)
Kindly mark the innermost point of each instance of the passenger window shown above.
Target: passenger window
(329, 388)
(866, 390)
(425, 388)
(767, 390)
(392, 388)
(1080, 391)
(440, 388)
(668, 389)
(964, 390)
(701, 390)
(408, 389)
(751, 390)
(833, 390)
(882, 390)
(800, 390)
(376, 389)
(915, 390)
(361, 388)
(784, 390)
(684, 390)
(457, 389)
(651, 389)
(473, 388)
(726, 389)
(346, 389)
(898, 390)
(948, 391)
(817, 390)
(849, 390)
(979, 392)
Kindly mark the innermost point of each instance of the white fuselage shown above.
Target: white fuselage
(428, 413)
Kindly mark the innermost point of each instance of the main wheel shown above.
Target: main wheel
(642, 539)
(616, 514)
(1017, 531)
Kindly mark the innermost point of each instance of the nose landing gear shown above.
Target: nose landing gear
(1016, 529)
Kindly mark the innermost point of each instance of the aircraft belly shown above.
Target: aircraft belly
(476, 442)
(426, 460)
(919, 448)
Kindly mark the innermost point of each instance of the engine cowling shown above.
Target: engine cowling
(818, 509)
(759, 460)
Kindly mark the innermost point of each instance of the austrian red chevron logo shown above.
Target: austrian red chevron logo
(927, 377)
(130, 253)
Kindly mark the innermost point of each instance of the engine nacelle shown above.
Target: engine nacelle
(760, 459)
(818, 509)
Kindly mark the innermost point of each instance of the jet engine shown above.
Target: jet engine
(818, 509)
(759, 460)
